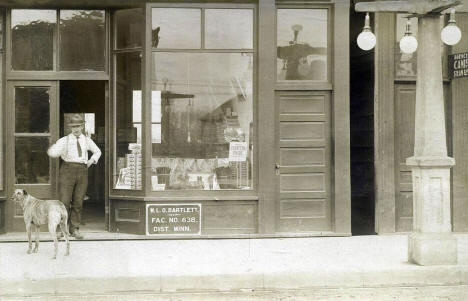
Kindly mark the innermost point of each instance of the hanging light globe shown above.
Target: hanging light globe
(366, 39)
(408, 44)
(451, 34)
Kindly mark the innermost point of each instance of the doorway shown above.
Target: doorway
(88, 98)
(362, 132)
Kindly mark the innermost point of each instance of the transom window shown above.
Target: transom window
(79, 46)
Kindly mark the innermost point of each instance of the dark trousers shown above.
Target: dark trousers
(73, 183)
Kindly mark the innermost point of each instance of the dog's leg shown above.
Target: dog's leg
(64, 229)
(28, 229)
(52, 227)
(36, 246)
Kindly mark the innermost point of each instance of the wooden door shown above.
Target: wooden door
(303, 168)
(405, 101)
(32, 126)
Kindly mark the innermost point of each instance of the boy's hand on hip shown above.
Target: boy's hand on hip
(90, 162)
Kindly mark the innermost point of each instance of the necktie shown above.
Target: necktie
(79, 148)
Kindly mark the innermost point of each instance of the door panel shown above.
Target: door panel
(405, 101)
(303, 161)
(31, 128)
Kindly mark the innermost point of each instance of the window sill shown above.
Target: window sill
(186, 198)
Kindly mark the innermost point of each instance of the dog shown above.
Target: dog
(38, 212)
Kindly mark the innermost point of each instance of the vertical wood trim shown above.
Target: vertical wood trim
(107, 118)
(384, 114)
(459, 89)
(146, 98)
(341, 122)
(9, 208)
(266, 115)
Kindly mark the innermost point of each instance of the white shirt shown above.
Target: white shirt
(66, 148)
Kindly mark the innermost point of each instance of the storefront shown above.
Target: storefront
(394, 123)
(226, 118)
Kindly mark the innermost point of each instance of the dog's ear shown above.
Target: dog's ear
(25, 192)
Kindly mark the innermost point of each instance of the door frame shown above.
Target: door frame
(15, 222)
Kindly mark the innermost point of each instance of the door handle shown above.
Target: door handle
(277, 168)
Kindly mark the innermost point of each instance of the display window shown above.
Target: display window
(302, 44)
(202, 101)
(128, 100)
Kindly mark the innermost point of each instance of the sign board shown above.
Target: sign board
(238, 151)
(173, 219)
(458, 65)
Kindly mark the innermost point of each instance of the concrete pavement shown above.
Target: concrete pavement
(222, 265)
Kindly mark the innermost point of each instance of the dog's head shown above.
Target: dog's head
(19, 195)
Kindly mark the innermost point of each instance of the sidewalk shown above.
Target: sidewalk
(160, 266)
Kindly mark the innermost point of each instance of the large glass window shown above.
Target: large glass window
(229, 28)
(130, 24)
(176, 28)
(406, 63)
(82, 40)
(32, 35)
(32, 119)
(80, 44)
(128, 121)
(202, 111)
(127, 169)
(302, 40)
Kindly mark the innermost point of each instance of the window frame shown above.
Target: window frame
(309, 84)
(177, 195)
(55, 73)
(2, 101)
(115, 193)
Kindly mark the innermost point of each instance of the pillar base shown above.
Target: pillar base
(432, 249)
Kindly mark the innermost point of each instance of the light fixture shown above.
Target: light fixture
(408, 44)
(451, 34)
(366, 39)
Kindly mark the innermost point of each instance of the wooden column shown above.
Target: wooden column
(431, 242)
(384, 123)
(460, 137)
(342, 181)
(266, 115)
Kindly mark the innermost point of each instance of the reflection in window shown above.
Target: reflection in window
(302, 44)
(32, 39)
(202, 109)
(31, 160)
(128, 121)
(32, 110)
(229, 28)
(130, 26)
(406, 63)
(82, 40)
(176, 28)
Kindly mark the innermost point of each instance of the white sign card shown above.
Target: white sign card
(238, 151)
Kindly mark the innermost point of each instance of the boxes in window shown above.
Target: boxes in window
(163, 174)
(240, 174)
(134, 168)
(223, 175)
